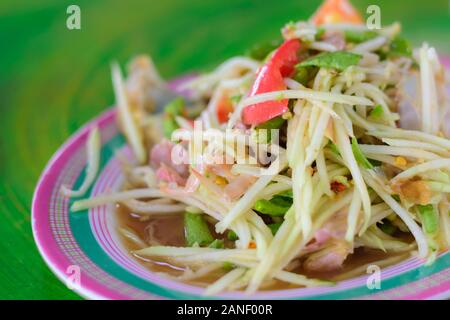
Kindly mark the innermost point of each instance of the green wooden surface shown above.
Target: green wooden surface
(53, 80)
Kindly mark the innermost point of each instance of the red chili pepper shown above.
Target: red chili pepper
(270, 78)
(224, 108)
(337, 187)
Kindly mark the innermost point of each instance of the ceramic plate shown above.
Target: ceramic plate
(84, 250)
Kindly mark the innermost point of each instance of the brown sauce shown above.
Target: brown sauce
(169, 231)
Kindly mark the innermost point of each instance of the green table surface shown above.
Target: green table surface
(52, 80)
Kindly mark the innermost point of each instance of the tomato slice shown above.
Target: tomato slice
(285, 57)
(337, 11)
(270, 78)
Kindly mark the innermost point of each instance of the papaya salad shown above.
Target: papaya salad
(282, 165)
